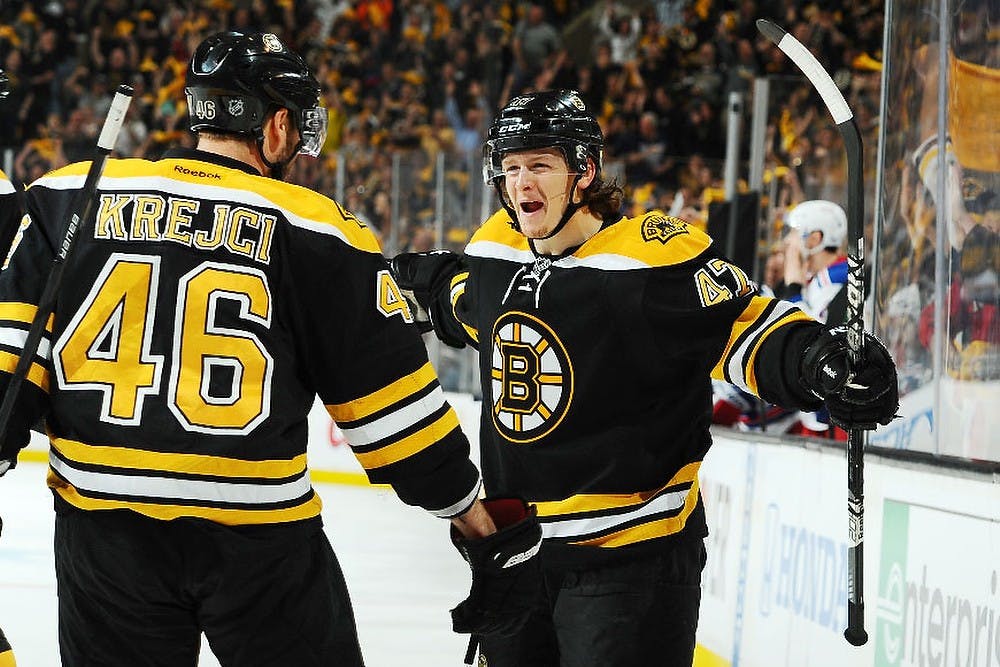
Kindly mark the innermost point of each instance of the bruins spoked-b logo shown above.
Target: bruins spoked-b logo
(662, 228)
(531, 378)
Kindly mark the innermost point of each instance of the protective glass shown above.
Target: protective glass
(312, 130)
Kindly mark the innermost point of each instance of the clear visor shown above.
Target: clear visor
(312, 131)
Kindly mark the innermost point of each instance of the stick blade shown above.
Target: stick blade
(771, 30)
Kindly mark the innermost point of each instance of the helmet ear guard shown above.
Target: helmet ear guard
(224, 111)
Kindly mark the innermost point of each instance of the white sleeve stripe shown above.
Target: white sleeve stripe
(16, 338)
(461, 506)
(736, 364)
(396, 421)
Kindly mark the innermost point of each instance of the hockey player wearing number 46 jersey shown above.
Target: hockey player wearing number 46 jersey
(200, 315)
(598, 337)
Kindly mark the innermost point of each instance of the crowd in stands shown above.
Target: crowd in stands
(419, 77)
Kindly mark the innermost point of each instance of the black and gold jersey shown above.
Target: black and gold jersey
(201, 313)
(596, 370)
(10, 214)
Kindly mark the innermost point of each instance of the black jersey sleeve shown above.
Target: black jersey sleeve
(25, 271)
(709, 307)
(370, 368)
(453, 310)
(10, 214)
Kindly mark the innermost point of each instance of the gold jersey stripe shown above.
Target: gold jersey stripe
(591, 502)
(229, 517)
(197, 464)
(411, 444)
(384, 397)
(458, 283)
(750, 373)
(23, 312)
(651, 530)
(37, 375)
(747, 319)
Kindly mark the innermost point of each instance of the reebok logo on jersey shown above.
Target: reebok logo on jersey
(196, 172)
(662, 228)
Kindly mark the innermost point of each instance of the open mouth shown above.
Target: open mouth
(531, 206)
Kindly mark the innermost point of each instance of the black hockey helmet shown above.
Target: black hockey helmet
(546, 119)
(4, 84)
(235, 78)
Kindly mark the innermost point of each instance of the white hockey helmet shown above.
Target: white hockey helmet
(820, 215)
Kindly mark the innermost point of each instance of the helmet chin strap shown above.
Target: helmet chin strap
(277, 168)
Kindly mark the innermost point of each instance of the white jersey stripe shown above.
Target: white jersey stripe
(461, 505)
(605, 262)
(16, 338)
(150, 486)
(668, 502)
(737, 372)
(394, 422)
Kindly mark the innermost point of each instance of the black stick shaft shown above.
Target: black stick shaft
(844, 118)
(83, 210)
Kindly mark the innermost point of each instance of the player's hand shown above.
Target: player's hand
(420, 275)
(861, 397)
(506, 576)
(16, 439)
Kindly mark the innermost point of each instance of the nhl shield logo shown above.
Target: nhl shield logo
(662, 228)
(236, 107)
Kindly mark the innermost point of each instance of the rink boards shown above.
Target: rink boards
(775, 584)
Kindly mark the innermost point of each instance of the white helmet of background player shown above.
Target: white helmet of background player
(819, 215)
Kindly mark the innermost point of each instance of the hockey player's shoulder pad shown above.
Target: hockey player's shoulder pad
(497, 239)
(651, 240)
(6, 187)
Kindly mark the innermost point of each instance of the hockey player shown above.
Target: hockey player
(815, 263)
(10, 214)
(598, 336)
(815, 276)
(200, 315)
(10, 209)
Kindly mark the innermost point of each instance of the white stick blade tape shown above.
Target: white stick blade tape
(819, 77)
(116, 117)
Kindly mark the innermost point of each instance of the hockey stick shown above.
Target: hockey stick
(83, 209)
(844, 118)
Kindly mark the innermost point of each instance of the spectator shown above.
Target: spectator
(622, 30)
(535, 42)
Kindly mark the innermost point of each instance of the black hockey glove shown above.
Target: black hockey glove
(420, 275)
(506, 576)
(16, 439)
(863, 397)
